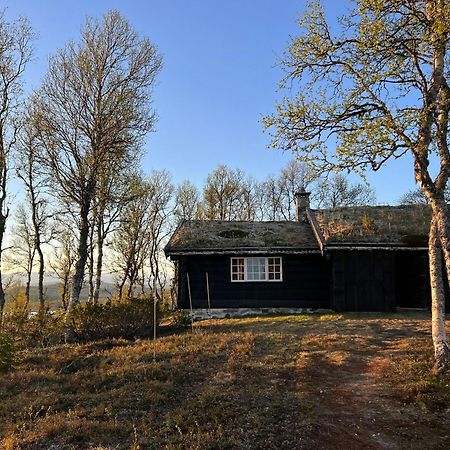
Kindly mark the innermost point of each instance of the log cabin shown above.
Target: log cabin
(362, 258)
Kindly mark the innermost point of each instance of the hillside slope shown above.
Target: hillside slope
(322, 382)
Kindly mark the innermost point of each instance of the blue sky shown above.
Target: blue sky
(219, 78)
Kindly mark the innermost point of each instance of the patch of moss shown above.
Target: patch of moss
(233, 234)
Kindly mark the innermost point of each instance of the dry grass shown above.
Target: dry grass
(334, 381)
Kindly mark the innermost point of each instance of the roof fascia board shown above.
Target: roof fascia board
(372, 247)
(237, 251)
(316, 229)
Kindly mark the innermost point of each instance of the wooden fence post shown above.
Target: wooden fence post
(190, 301)
(207, 290)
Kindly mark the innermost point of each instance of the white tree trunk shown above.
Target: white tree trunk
(441, 347)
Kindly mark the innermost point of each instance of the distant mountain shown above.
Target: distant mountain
(52, 292)
(51, 278)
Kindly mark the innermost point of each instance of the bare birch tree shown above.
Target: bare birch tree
(15, 53)
(94, 111)
(249, 200)
(222, 193)
(28, 171)
(21, 254)
(417, 197)
(63, 259)
(112, 197)
(337, 191)
(187, 198)
(130, 242)
(279, 190)
(160, 227)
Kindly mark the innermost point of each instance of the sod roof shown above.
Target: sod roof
(405, 225)
(211, 236)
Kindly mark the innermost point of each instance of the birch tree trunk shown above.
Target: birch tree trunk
(77, 281)
(3, 218)
(441, 347)
(37, 225)
(27, 288)
(98, 268)
(41, 278)
(78, 276)
(91, 263)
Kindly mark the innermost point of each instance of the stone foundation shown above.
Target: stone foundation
(222, 313)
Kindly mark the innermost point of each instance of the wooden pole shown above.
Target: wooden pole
(207, 291)
(154, 328)
(190, 301)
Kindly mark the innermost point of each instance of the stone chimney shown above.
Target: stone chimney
(301, 203)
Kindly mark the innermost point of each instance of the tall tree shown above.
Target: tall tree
(28, 170)
(160, 227)
(295, 177)
(272, 195)
(94, 110)
(370, 91)
(417, 197)
(187, 200)
(15, 52)
(337, 191)
(130, 242)
(248, 199)
(112, 196)
(21, 254)
(222, 193)
(279, 191)
(63, 259)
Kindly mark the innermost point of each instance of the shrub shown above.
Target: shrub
(8, 353)
(18, 313)
(127, 319)
(44, 329)
(34, 330)
(181, 319)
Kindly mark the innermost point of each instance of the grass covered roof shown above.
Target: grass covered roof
(225, 236)
(405, 225)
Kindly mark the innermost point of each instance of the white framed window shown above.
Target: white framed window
(257, 268)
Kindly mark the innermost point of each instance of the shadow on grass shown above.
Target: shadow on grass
(312, 381)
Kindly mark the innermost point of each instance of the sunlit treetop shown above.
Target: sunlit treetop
(367, 90)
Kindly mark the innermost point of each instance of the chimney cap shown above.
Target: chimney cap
(301, 203)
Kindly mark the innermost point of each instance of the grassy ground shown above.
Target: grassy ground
(322, 382)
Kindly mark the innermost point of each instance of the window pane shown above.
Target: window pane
(256, 268)
(274, 265)
(237, 269)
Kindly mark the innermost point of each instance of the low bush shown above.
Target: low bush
(127, 319)
(8, 353)
(34, 330)
(180, 318)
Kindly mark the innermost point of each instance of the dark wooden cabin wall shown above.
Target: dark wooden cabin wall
(363, 280)
(305, 284)
(371, 280)
(413, 280)
(412, 283)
